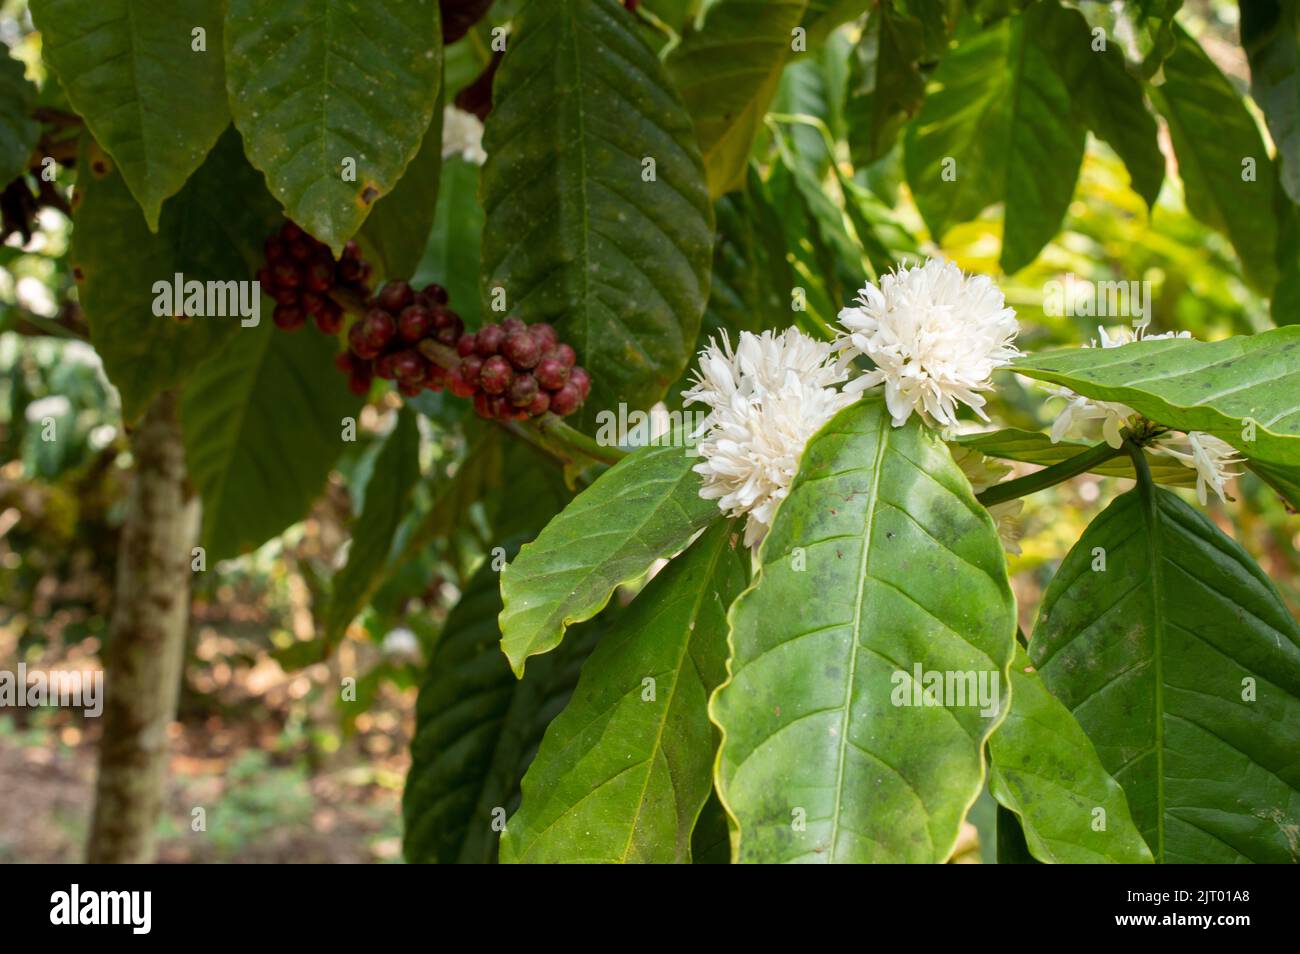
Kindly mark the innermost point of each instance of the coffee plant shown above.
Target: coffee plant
(719, 352)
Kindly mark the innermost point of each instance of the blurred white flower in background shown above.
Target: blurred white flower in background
(766, 398)
(462, 135)
(936, 336)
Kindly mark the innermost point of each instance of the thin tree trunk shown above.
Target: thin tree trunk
(146, 641)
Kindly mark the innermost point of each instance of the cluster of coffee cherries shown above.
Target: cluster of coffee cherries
(300, 273)
(386, 341)
(515, 371)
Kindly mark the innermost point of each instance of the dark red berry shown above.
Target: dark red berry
(512, 324)
(465, 345)
(436, 377)
(541, 404)
(547, 334)
(345, 361)
(275, 250)
(290, 232)
(487, 340)
(565, 354)
(580, 378)
(552, 373)
(330, 318)
(435, 293)
(312, 302)
(286, 274)
(349, 271)
(566, 400)
(300, 250)
(285, 296)
(523, 390)
(320, 275)
(496, 375)
(379, 328)
(470, 369)
(523, 348)
(459, 386)
(288, 317)
(360, 380)
(409, 367)
(482, 405)
(499, 405)
(351, 250)
(410, 390)
(386, 366)
(360, 344)
(414, 323)
(395, 296)
(449, 334)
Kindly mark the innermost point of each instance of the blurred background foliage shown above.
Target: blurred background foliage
(299, 775)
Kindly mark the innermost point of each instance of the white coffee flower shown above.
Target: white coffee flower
(462, 135)
(766, 398)
(1079, 411)
(1209, 456)
(935, 334)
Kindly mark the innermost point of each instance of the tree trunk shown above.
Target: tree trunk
(146, 641)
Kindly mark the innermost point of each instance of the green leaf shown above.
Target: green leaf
(1011, 846)
(1033, 447)
(1045, 770)
(1105, 97)
(1181, 662)
(1269, 36)
(575, 236)
(644, 508)
(263, 425)
(155, 104)
(476, 729)
(886, 84)
(999, 110)
(1220, 387)
(314, 83)
(202, 234)
(728, 72)
(879, 561)
(621, 777)
(19, 133)
(451, 257)
(1213, 135)
(823, 16)
(395, 473)
(1284, 480)
(398, 227)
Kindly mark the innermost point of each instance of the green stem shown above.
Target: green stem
(553, 426)
(1049, 476)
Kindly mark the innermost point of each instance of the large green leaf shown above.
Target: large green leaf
(396, 470)
(1105, 97)
(263, 425)
(624, 770)
(1214, 135)
(1043, 768)
(18, 131)
(1221, 387)
(202, 234)
(879, 561)
(1034, 447)
(1269, 36)
(997, 126)
(154, 103)
(1179, 659)
(575, 235)
(644, 508)
(314, 83)
(728, 73)
(398, 227)
(476, 729)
